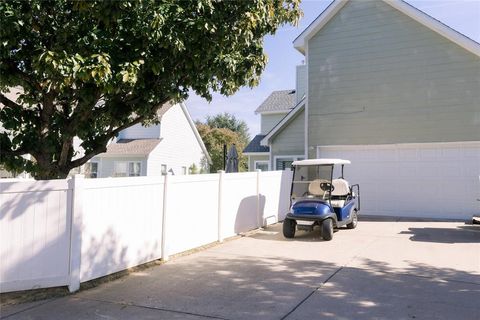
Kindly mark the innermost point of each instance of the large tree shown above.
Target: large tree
(229, 121)
(93, 68)
(215, 139)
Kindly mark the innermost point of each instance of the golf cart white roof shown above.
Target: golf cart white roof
(316, 162)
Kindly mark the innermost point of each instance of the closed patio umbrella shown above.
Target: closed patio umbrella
(232, 160)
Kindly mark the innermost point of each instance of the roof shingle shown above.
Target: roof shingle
(254, 145)
(140, 147)
(282, 100)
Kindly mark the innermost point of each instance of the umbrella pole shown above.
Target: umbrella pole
(224, 156)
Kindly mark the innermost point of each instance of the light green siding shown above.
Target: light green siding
(376, 77)
(301, 82)
(252, 159)
(268, 121)
(290, 140)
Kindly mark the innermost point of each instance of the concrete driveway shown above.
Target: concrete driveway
(381, 270)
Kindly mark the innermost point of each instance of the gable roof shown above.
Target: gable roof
(460, 39)
(195, 132)
(164, 108)
(278, 102)
(284, 122)
(131, 147)
(255, 147)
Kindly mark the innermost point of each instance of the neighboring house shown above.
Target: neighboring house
(4, 173)
(396, 92)
(172, 146)
(271, 111)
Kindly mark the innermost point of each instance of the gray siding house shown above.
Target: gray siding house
(396, 92)
(277, 105)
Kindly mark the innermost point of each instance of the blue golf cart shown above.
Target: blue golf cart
(317, 199)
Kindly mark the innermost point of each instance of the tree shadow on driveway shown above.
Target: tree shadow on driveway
(459, 234)
(240, 287)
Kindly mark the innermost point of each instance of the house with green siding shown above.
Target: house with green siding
(397, 92)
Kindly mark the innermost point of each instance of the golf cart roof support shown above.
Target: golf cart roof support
(313, 162)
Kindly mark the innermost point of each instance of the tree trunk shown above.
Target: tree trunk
(46, 170)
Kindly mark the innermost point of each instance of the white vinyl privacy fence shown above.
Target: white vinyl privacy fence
(64, 232)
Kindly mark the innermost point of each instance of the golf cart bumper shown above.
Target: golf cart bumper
(310, 217)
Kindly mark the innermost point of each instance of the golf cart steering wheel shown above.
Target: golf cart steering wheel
(327, 186)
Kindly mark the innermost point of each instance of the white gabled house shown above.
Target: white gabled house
(173, 146)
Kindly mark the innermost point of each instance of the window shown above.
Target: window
(120, 169)
(127, 169)
(285, 162)
(262, 165)
(164, 169)
(91, 169)
(134, 169)
(184, 170)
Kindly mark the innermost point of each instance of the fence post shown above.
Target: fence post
(221, 174)
(76, 223)
(260, 219)
(165, 255)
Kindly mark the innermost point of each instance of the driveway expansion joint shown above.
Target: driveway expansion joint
(154, 308)
(29, 308)
(311, 293)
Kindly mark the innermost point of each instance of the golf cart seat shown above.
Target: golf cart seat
(314, 188)
(340, 192)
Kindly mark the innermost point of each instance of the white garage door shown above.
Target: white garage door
(435, 180)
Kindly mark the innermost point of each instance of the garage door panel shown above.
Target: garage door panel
(437, 180)
(408, 155)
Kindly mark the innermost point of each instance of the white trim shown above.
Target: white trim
(320, 161)
(195, 132)
(273, 112)
(305, 145)
(318, 24)
(260, 161)
(270, 155)
(118, 155)
(256, 153)
(266, 140)
(470, 144)
(463, 41)
(293, 157)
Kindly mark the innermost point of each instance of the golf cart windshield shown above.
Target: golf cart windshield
(312, 181)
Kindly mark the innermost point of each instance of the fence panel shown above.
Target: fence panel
(119, 222)
(274, 195)
(239, 203)
(192, 211)
(122, 224)
(34, 234)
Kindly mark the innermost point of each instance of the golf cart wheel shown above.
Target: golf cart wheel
(327, 229)
(353, 224)
(289, 228)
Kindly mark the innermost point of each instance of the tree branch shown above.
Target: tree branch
(13, 153)
(80, 161)
(12, 68)
(9, 103)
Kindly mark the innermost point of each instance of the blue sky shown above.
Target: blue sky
(461, 15)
